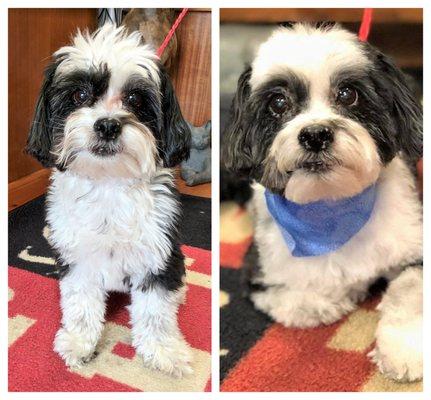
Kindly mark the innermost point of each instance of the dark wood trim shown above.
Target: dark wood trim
(274, 15)
(28, 188)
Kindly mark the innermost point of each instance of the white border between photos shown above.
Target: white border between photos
(215, 198)
(426, 196)
(215, 5)
(3, 199)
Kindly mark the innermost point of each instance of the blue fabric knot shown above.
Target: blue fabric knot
(323, 226)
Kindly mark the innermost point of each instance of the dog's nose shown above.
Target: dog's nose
(316, 138)
(108, 128)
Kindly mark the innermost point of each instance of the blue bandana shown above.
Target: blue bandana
(322, 226)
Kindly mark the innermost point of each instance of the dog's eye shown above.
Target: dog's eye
(278, 104)
(135, 99)
(80, 96)
(347, 96)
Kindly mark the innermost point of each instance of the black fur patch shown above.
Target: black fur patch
(127, 282)
(171, 278)
(322, 25)
(393, 88)
(251, 272)
(235, 156)
(384, 99)
(370, 110)
(287, 24)
(253, 126)
(39, 142)
(61, 269)
(56, 103)
(161, 113)
(175, 135)
(378, 287)
(150, 113)
(234, 188)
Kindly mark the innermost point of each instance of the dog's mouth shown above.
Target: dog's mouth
(318, 165)
(103, 149)
(314, 166)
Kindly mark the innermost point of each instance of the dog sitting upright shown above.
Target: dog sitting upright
(108, 122)
(330, 132)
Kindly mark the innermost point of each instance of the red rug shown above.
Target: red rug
(34, 317)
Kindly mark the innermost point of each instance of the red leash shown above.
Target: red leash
(171, 32)
(364, 30)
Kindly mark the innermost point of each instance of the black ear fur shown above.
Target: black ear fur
(235, 153)
(286, 24)
(405, 108)
(325, 25)
(322, 25)
(175, 133)
(39, 141)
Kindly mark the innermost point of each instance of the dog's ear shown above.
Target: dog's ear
(235, 153)
(175, 133)
(405, 108)
(39, 141)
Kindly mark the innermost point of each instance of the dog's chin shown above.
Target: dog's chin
(318, 180)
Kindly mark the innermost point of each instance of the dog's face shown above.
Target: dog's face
(107, 109)
(318, 114)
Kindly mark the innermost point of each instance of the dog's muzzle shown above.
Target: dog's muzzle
(316, 140)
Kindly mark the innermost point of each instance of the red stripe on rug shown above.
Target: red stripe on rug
(232, 255)
(298, 360)
(202, 259)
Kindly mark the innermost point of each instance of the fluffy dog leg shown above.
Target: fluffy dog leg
(302, 309)
(83, 306)
(155, 331)
(398, 350)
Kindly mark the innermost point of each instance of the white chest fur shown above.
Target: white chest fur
(390, 239)
(113, 227)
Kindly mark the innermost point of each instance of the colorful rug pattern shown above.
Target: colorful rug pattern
(260, 355)
(34, 316)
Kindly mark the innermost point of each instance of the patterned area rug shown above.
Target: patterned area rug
(260, 355)
(34, 315)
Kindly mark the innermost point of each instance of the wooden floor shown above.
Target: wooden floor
(203, 190)
(28, 188)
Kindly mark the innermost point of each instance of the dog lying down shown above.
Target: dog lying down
(329, 131)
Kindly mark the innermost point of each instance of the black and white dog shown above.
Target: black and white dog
(329, 131)
(108, 122)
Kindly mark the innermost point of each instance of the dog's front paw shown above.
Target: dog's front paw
(74, 349)
(398, 352)
(172, 356)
